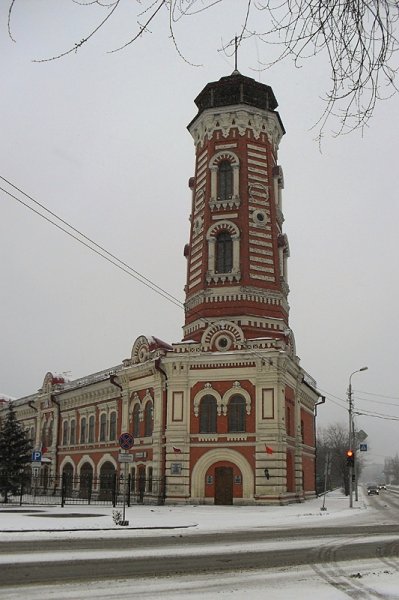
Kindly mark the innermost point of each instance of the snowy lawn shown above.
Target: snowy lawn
(26, 522)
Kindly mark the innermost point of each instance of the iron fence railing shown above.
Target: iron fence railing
(64, 490)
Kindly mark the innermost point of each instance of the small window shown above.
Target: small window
(224, 253)
(148, 419)
(44, 436)
(225, 180)
(207, 415)
(103, 427)
(236, 415)
(112, 426)
(65, 433)
(83, 430)
(50, 434)
(136, 421)
(72, 435)
(91, 429)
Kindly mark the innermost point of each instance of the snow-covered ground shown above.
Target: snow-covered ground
(361, 579)
(28, 522)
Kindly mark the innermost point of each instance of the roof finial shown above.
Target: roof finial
(235, 54)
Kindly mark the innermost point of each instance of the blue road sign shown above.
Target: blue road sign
(36, 456)
(363, 447)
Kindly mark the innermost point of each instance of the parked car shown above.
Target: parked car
(372, 488)
(382, 486)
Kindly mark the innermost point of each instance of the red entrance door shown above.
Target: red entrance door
(224, 485)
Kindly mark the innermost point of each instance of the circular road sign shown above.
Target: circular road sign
(126, 441)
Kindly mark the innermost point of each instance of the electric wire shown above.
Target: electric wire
(154, 288)
(139, 276)
(104, 253)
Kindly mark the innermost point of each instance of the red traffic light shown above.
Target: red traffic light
(350, 458)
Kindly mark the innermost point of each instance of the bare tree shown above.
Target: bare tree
(357, 38)
(333, 440)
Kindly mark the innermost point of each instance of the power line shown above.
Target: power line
(104, 253)
(98, 249)
(377, 415)
(378, 395)
(377, 402)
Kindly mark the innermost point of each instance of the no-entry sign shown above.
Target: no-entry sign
(126, 441)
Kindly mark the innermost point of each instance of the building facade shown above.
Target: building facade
(227, 415)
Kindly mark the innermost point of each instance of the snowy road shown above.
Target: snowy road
(204, 553)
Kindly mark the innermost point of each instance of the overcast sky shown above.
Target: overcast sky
(100, 139)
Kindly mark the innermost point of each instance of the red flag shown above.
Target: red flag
(269, 450)
(176, 450)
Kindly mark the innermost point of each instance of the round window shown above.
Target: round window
(259, 217)
(223, 343)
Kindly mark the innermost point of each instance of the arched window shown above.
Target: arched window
(103, 427)
(236, 415)
(112, 426)
(83, 430)
(91, 429)
(65, 433)
(148, 419)
(136, 421)
(207, 415)
(50, 434)
(44, 435)
(224, 253)
(72, 435)
(225, 180)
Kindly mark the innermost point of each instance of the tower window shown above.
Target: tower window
(225, 180)
(224, 253)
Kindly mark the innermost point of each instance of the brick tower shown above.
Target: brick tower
(236, 277)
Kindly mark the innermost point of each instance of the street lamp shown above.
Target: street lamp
(351, 440)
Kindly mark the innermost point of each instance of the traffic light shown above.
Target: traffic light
(350, 458)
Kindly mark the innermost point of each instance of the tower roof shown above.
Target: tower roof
(236, 89)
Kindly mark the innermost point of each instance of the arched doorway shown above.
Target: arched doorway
(67, 479)
(203, 478)
(107, 481)
(141, 482)
(86, 480)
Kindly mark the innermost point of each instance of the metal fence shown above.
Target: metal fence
(108, 490)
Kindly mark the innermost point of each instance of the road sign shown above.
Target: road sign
(125, 458)
(363, 447)
(361, 436)
(36, 456)
(126, 441)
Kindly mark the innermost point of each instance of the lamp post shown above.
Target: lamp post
(351, 440)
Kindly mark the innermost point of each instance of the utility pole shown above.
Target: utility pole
(351, 434)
